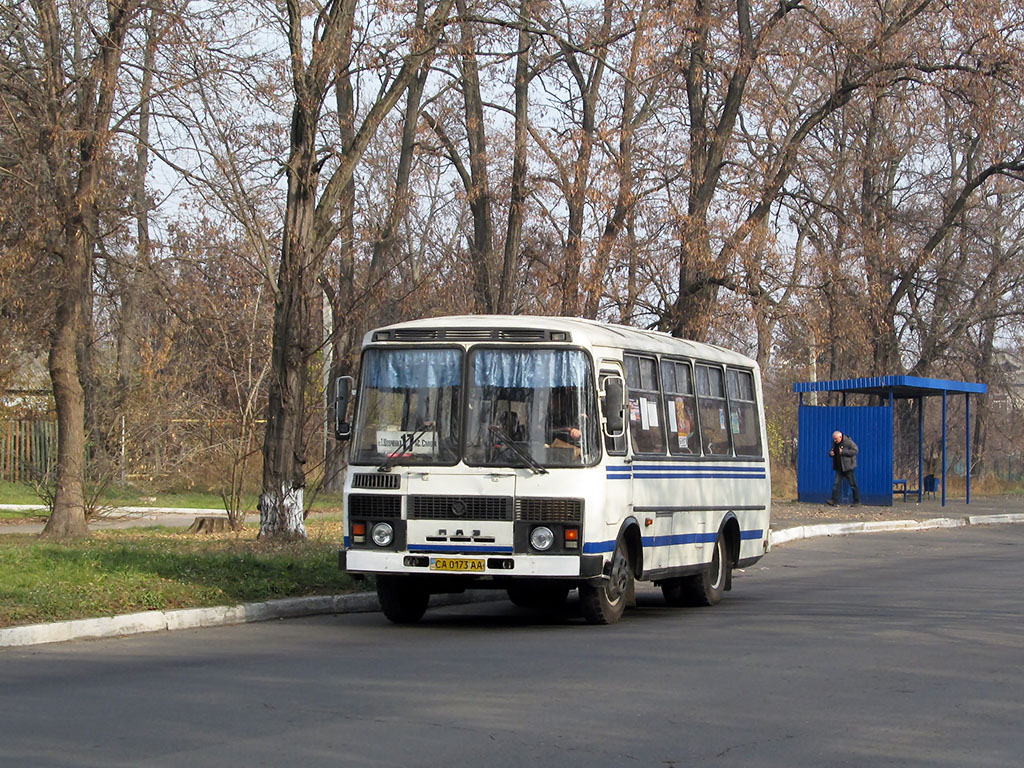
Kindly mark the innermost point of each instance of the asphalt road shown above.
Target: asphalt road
(870, 650)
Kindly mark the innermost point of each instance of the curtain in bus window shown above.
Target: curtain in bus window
(530, 368)
(680, 408)
(541, 402)
(646, 432)
(714, 425)
(405, 368)
(746, 431)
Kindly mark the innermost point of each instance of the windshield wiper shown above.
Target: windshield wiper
(408, 441)
(510, 443)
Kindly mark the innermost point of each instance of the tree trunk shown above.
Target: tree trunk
(690, 316)
(478, 193)
(68, 516)
(517, 202)
(284, 448)
(345, 330)
(576, 194)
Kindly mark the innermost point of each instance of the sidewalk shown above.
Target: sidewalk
(790, 514)
(123, 517)
(791, 521)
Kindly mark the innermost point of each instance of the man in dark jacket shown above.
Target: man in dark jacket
(844, 461)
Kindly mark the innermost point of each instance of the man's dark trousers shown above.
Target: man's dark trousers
(848, 474)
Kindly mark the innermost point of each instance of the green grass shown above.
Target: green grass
(18, 493)
(124, 571)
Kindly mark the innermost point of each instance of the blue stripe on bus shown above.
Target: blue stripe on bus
(689, 472)
(695, 468)
(457, 549)
(670, 540)
(677, 475)
(694, 476)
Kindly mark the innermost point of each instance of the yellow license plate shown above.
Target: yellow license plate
(455, 564)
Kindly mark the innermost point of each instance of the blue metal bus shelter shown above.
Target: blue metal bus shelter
(872, 428)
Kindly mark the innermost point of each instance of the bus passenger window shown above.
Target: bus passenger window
(746, 431)
(644, 405)
(713, 412)
(680, 407)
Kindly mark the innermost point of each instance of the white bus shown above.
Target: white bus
(541, 454)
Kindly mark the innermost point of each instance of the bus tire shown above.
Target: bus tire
(704, 588)
(603, 603)
(402, 599)
(547, 597)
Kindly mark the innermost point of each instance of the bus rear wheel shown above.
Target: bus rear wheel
(402, 599)
(604, 603)
(701, 589)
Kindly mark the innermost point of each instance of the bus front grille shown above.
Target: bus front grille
(549, 510)
(377, 480)
(376, 506)
(460, 508)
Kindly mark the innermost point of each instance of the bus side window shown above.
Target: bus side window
(644, 412)
(677, 385)
(614, 446)
(746, 431)
(714, 419)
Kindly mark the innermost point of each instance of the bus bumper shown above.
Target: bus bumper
(556, 566)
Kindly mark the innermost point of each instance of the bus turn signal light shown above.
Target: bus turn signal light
(359, 533)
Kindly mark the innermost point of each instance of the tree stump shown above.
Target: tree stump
(209, 524)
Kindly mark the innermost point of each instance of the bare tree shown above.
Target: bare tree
(309, 228)
(61, 79)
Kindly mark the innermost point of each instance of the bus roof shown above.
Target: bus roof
(482, 328)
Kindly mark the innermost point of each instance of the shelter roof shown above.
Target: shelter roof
(899, 386)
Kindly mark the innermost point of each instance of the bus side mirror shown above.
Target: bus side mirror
(344, 388)
(614, 406)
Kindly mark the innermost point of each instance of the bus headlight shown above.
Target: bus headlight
(541, 538)
(383, 534)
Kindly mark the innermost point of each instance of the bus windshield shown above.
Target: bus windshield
(531, 406)
(409, 407)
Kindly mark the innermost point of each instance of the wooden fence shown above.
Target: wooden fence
(28, 449)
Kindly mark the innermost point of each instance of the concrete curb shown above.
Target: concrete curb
(786, 535)
(196, 618)
(219, 616)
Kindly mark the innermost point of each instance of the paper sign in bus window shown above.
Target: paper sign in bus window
(634, 409)
(652, 414)
(389, 441)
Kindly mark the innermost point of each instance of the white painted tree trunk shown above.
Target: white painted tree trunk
(281, 513)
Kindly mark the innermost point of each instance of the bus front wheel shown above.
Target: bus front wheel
(604, 603)
(402, 599)
(704, 588)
